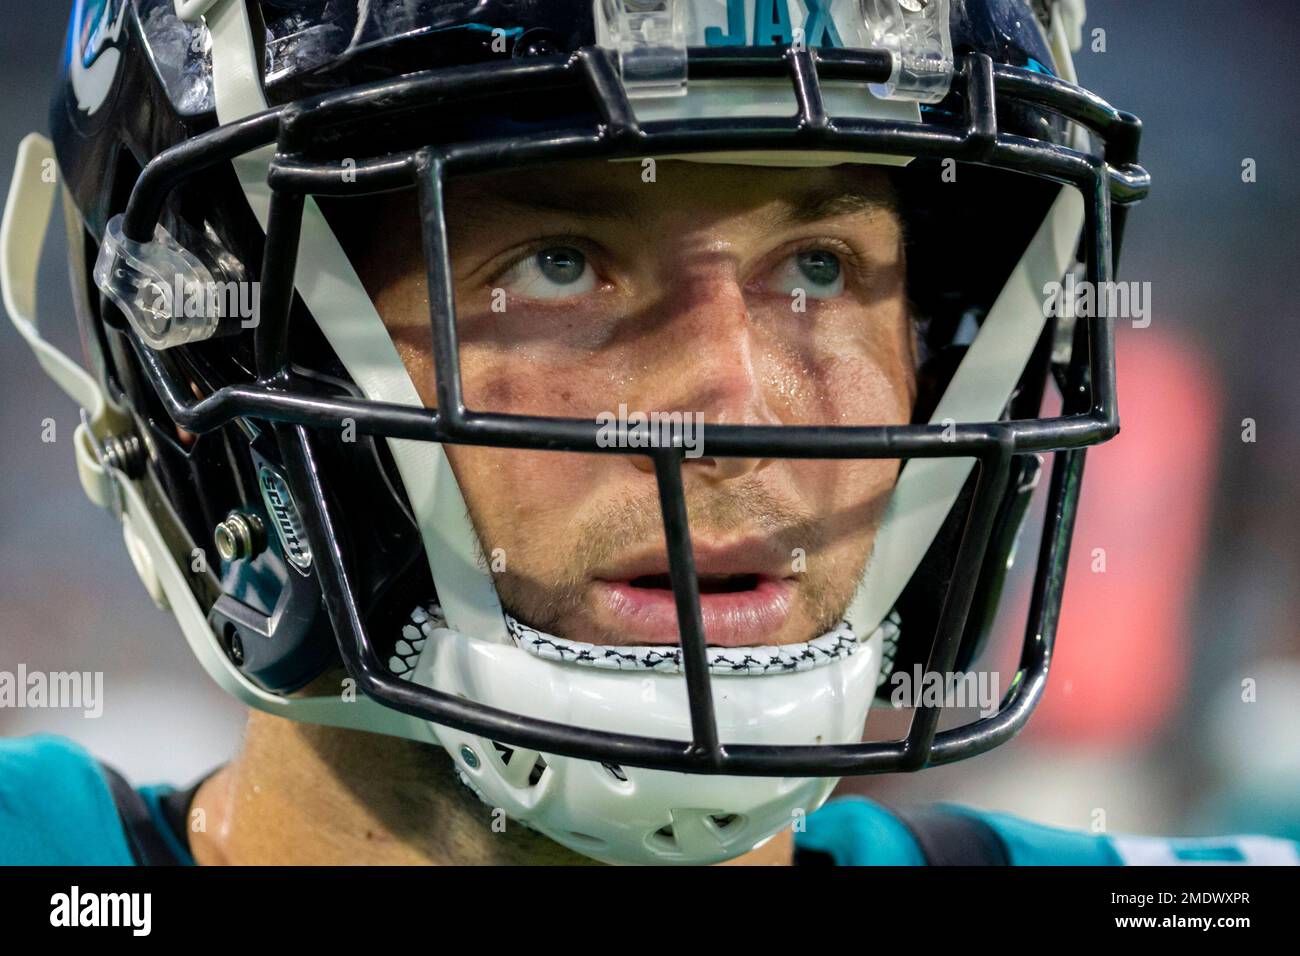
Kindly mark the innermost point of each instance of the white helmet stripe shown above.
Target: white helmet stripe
(980, 389)
(328, 284)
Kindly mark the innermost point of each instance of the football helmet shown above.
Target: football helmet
(198, 142)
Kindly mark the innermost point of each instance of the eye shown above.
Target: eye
(556, 272)
(817, 271)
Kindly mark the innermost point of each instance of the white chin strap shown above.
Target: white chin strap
(620, 814)
(752, 660)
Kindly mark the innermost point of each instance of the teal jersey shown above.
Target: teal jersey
(59, 806)
(854, 831)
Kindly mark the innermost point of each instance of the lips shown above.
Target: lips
(745, 596)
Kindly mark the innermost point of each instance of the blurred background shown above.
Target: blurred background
(1174, 702)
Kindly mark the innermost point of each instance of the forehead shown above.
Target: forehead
(637, 189)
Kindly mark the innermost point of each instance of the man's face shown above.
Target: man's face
(748, 295)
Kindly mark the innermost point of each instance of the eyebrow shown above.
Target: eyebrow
(601, 203)
(827, 202)
(582, 202)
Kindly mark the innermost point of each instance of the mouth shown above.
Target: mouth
(708, 584)
(743, 600)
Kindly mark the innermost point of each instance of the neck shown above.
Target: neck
(299, 794)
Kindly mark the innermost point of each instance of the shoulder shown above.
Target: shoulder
(856, 831)
(56, 808)
(1031, 843)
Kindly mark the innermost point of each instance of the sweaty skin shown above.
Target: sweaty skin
(304, 795)
(747, 295)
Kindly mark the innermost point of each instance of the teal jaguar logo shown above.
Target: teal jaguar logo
(93, 54)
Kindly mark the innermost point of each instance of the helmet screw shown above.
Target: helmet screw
(125, 453)
(241, 535)
(469, 756)
(236, 648)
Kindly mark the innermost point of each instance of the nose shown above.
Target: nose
(708, 365)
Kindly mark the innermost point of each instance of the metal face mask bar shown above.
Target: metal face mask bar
(1089, 415)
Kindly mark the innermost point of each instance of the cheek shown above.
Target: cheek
(848, 495)
(520, 382)
(865, 376)
(505, 380)
(860, 375)
(521, 501)
(524, 502)
(858, 391)
(535, 364)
